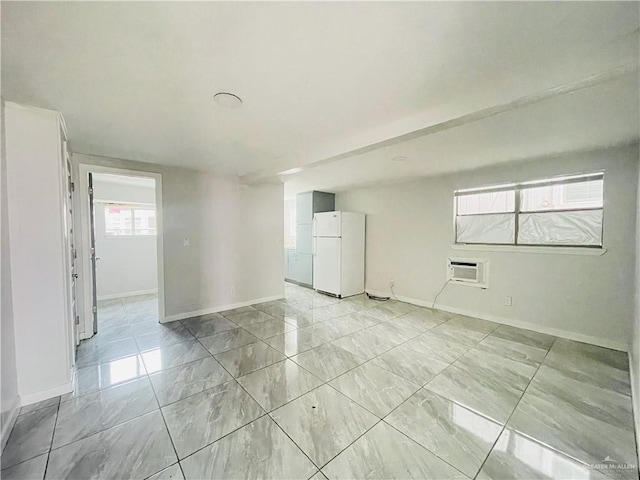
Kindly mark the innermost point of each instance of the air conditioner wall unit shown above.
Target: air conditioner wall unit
(472, 272)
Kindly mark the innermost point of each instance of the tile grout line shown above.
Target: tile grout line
(55, 424)
(504, 426)
(166, 427)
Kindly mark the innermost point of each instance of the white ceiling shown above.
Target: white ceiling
(334, 87)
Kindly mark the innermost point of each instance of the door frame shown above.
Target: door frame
(87, 287)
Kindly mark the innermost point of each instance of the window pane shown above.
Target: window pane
(145, 221)
(491, 202)
(563, 196)
(561, 228)
(117, 220)
(495, 228)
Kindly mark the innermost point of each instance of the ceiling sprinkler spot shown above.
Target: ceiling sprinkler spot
(228, 100)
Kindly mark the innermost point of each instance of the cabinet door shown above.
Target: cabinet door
(290, 267)
(305, 268)
(304, 238)
(304, 208)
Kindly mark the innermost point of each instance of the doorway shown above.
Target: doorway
(122, 238)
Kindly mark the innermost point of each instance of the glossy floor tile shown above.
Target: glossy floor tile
(299, 340)
(174, 472)
(227, 340)
(480, 392)
(365, 344)
(360, 383)
(173, 355)
(140, 447)
(327, 361)
(384, 453)
(277, 384)
(249, 358)
(92, 413)
(185, 380)
(525, 337)
(356, 387)
(106, 375)
(590, 364)
(458, 436)
(30, 437)
(201, 419)
(269, 328)
(27, 470)
(323, 422)
(410, 364)
(257, 450)
(575, 433)
(208, 325)
(244, 319)
(517, 456)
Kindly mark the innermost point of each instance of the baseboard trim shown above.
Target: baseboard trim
(12, 416)
(221, 308)
(46, 394)
(127, 294)
(556, 332)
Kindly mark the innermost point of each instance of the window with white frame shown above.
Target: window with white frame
(560, 211)
(129, 220)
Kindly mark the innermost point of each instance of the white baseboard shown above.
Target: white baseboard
(221, 308)
(11, 416)
(556, 332)
(127, 294)
(46, 394)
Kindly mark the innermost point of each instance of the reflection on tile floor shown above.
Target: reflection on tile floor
(316, 387)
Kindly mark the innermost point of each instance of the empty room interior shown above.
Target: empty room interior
(320, 240)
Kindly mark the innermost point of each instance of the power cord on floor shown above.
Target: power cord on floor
(375, 297)
(438, 294)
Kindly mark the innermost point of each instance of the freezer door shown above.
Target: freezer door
(327, 224)
(326, 265)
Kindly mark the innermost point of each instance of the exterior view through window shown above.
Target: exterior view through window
(561, 211)
(128, 220)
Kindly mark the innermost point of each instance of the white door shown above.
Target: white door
(71, 252)
(327, 224)
(326, 265)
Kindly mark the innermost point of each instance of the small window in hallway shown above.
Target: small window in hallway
(129, 220)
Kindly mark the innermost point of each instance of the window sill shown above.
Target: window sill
(524, 249)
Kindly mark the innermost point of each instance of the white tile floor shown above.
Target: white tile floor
(313, 386)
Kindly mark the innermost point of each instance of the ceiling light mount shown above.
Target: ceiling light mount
(228, 100)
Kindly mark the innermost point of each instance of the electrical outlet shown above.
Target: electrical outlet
(508, 301)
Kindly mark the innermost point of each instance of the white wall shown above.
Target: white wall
(235, 238)
(40, 273)
(634, 344)
(10, 400)
(410, 232)
(127, 264)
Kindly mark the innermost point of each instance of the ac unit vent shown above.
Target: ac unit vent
(466, 271)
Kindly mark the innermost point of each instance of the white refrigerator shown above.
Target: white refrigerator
(338, 253)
